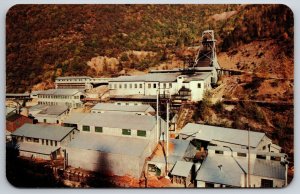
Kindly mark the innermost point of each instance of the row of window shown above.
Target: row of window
(57, 96)
(70, 80)
(36, 140)
(276, 158)
(149, 85)
(140, 133)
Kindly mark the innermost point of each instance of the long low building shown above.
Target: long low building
(107, 154)
(221, 136)
(69, 97)
(139, 109)
(190, 86)
(49, 114)
(42, 141)
(226, 167)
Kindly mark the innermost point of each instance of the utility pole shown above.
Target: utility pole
(249, 185)
(167, 133)
(157, 116)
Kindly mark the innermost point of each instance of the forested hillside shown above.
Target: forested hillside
(46, 41)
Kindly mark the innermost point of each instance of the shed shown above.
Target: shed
(182, 173)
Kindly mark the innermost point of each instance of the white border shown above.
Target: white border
(7, 188)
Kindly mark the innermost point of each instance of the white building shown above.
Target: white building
(112, 143)
(49, 114)
(233, 138)
(69, 97)
(42, 141)
(168, 84)
(138, 109)
(79, 82)
(226, 167)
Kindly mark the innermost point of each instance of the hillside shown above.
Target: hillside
(46, 41)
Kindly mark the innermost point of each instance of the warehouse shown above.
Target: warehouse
(108, 154)
(227, 167)
(166, 84)
(69, 97)
(222, 136)
(49, 114)
(138, 109)
(42, 141)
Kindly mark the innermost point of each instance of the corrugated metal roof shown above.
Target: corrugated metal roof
(264, 168)
(54, 110)
(209, 133)
(220, 169)
(152, 77)
(66, 92)
(75, 117)
(177, 151)
(42, 131)
(114, 120)
(182, 168)
(74, 77)
(37, 148)
(134, 97)
(123, 108)
(109, 144)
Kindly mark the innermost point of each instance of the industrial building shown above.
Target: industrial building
(42, 141)
(222, 136)
(227, 167)
(107, 141)
(192, 86)
(69, 97)
(139, 109)
(49, 114)
(79, 82)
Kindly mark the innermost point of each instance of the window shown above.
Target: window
(242, 154)
(170, 85)
(149, 85)
(261, 157)
(51, 143)
(45, 120)
(141, 85)
(42, 142)
(120, 86)
(126, 132)
(28, 139)
(130, 85)
(154, 85)
(85, 128)
(35, 140)
(125, 85)
(55, 143)
(99, 129)
(135, 85)
(165, 85)
(199, 85)
(219, 152)
(141, 133)
(46, 142)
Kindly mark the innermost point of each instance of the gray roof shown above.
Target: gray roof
(115, 120)
(75, 117)
(74, 77)
(180, 70)
(123, 108)
(66, 92)
(197, 77)
(152, 77)
(134, 97)
(109, 144)
(37, 148)
(264, 168)
(177, 151)
(42, 131)
(182, 168)
(220, 169)
(228, 135)
(54, 110)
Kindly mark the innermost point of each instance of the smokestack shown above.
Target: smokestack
(167, 132)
